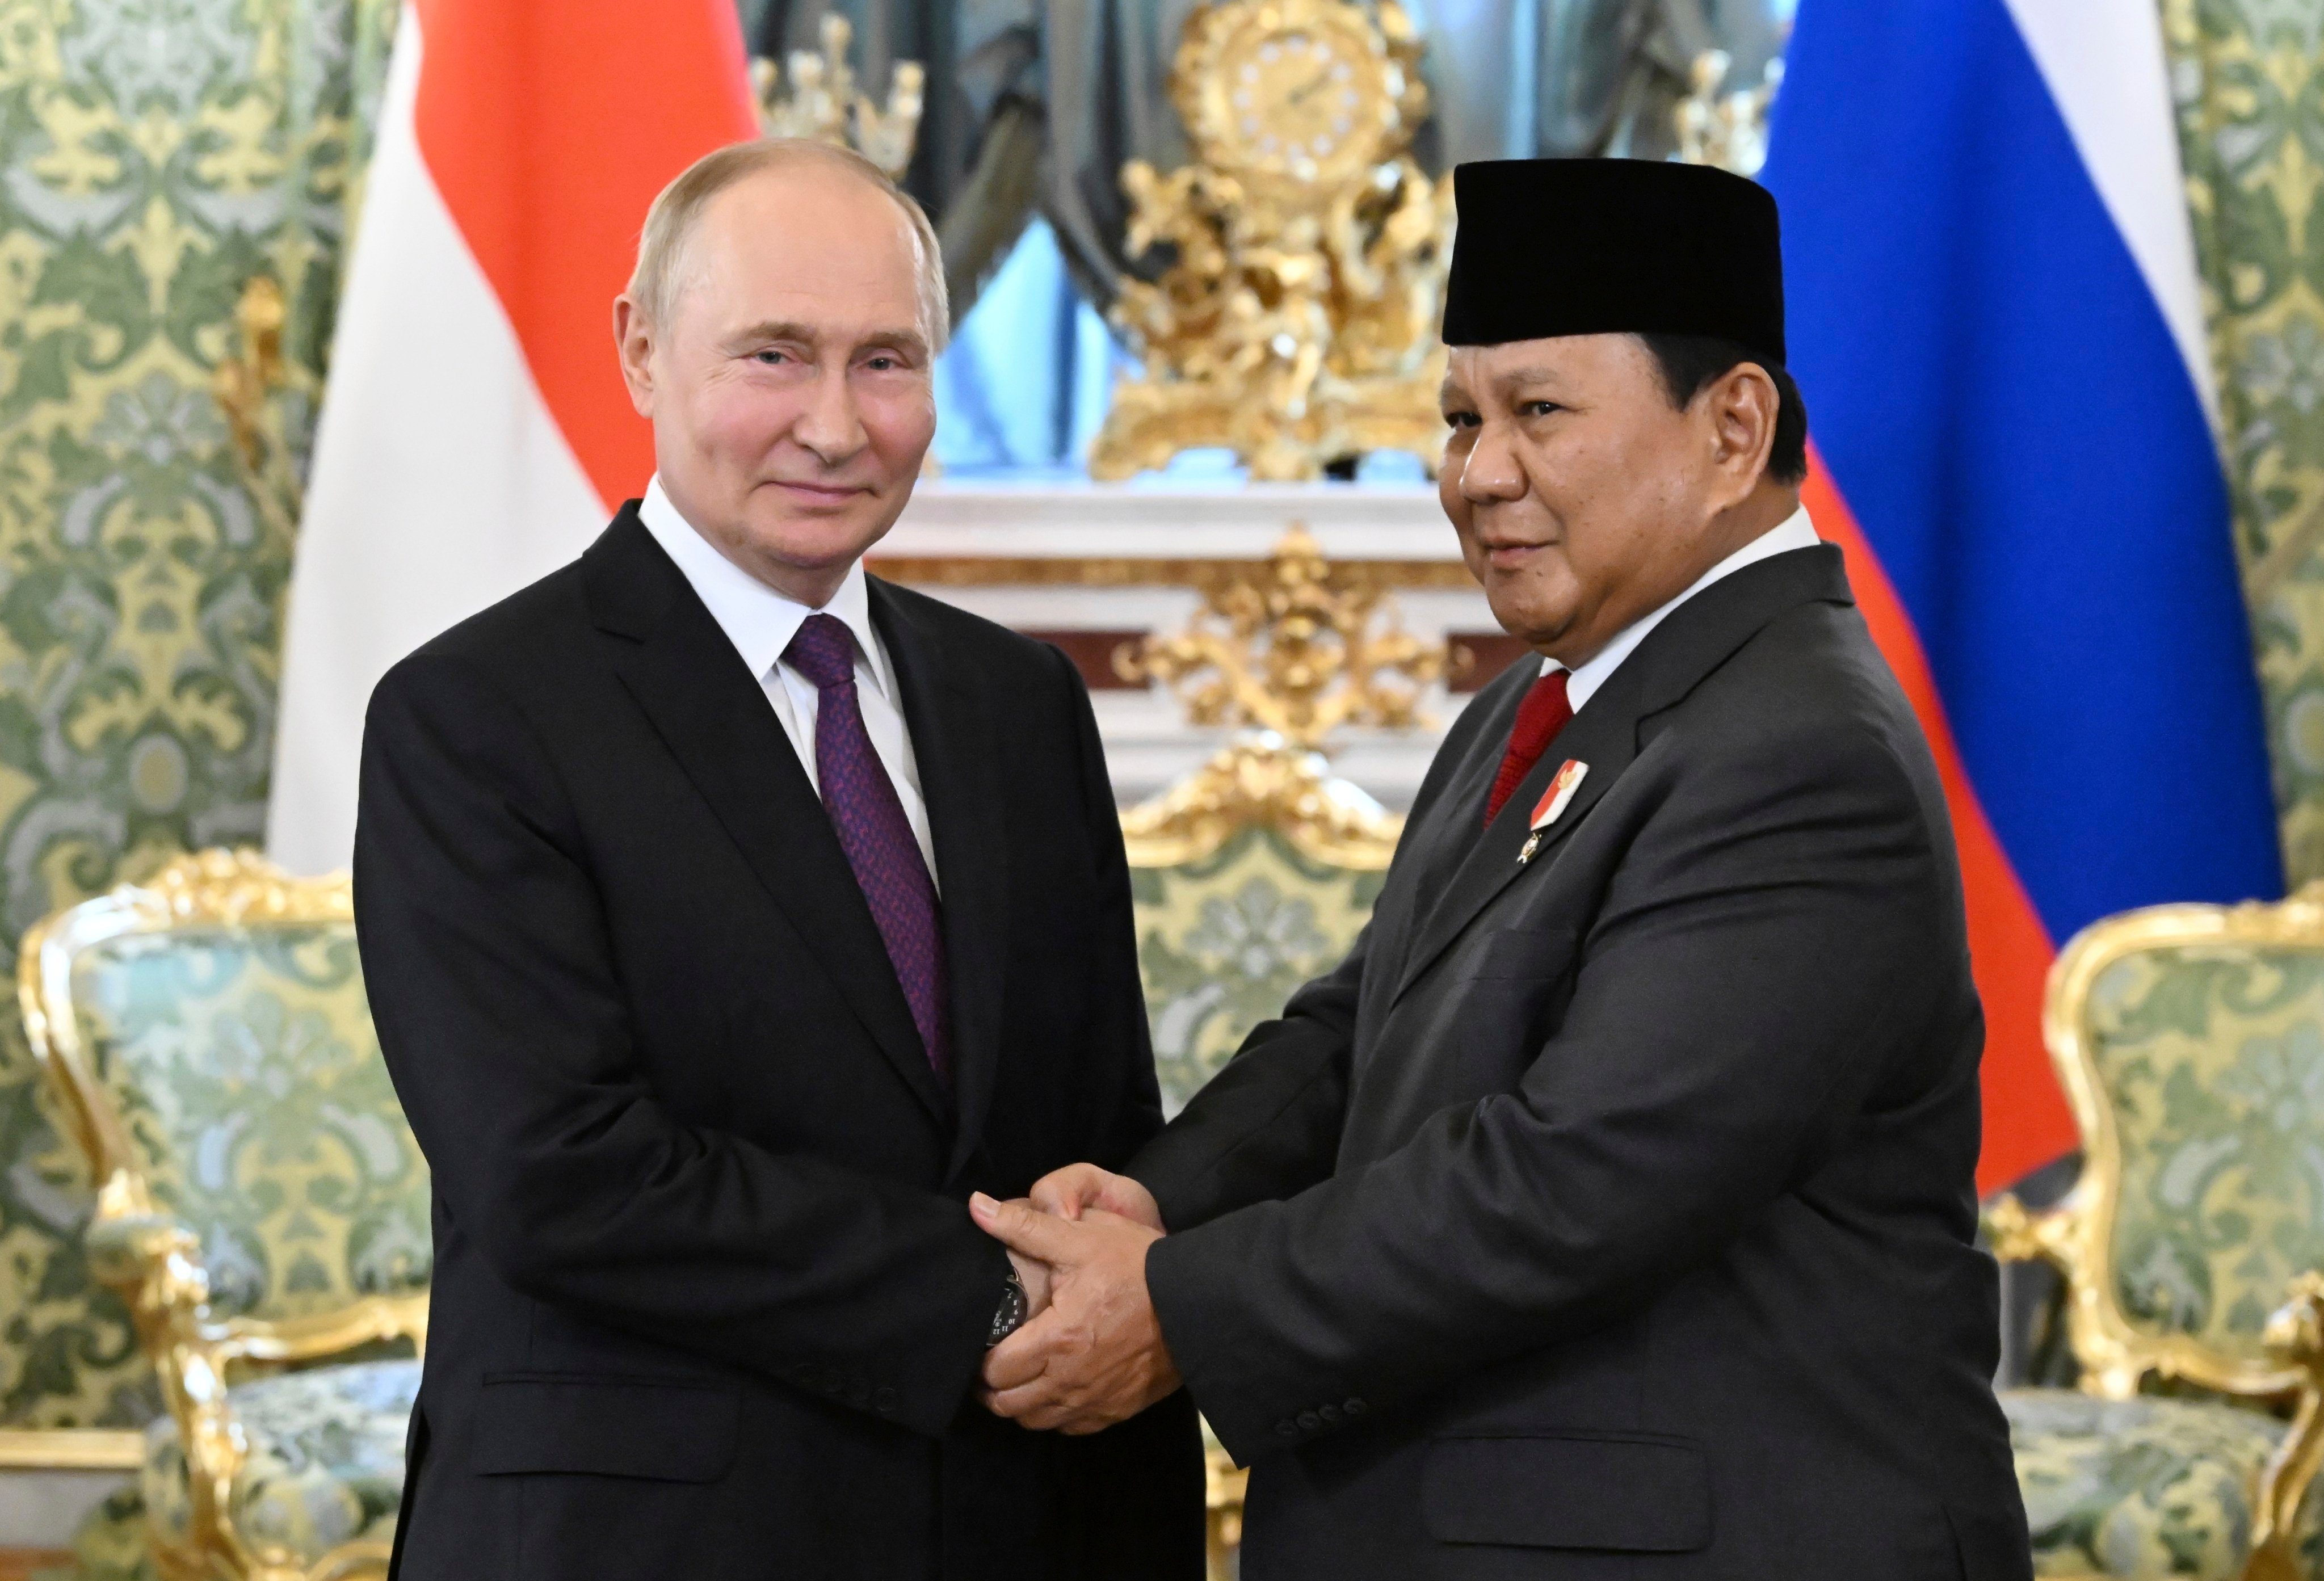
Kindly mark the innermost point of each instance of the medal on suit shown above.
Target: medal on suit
(1553, 801)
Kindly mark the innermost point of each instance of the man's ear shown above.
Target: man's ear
(633, 340)
(1741, 404)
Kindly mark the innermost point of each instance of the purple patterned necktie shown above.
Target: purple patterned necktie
(875, 831)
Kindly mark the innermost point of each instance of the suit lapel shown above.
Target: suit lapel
(1433, 850)
(714, 718)
(952, 739)
(1692, 642)
(1603, 738)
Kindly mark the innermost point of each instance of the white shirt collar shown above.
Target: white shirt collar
(757, 619)
(1794, 532)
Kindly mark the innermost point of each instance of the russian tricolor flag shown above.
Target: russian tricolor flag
(1995, 319)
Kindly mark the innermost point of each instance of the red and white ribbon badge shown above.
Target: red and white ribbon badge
(1553, 801)
(1560, 792)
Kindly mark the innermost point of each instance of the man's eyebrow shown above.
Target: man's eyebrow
(771, 329)
(1532, 374)
(902, 338)
(905, 339)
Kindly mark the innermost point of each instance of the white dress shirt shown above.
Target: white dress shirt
(1795, 532)
(761, 623)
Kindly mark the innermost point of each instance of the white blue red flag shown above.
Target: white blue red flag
(1995, 318)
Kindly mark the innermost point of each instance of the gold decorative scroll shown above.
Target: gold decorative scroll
(1291, 645)
(1261, 780)
(245, 384)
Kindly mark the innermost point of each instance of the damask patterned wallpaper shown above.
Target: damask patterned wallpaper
(155, 155)
(2249, 79)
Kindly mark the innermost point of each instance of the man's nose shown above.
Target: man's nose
(1490, 473)
(831, 425)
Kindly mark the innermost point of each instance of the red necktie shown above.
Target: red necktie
(1542, 715)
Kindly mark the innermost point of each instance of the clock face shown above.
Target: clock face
(1309, 102)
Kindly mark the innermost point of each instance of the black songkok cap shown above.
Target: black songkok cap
(1551, 247)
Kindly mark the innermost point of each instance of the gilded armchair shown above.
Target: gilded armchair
(2190, 1042)
(262, 1206)
(1257, 871)
(1249, 878)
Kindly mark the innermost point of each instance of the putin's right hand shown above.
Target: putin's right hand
(1068, 1193)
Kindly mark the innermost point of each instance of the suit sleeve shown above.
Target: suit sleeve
(1773, 919)
(505, 1028)
(1267, 1126)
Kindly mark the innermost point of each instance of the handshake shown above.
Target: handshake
(1091, 1355)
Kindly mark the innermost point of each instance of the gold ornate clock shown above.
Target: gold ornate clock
(1297, 325)
(1304, 92)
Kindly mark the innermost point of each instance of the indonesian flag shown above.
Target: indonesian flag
(477, 434)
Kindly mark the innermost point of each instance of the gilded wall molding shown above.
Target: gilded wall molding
(1133, 571)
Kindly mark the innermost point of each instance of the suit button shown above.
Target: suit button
(1355, 1407)
(1330, 1413)
(1287, 1429)
(1310, 1420)
(859, 1391)
(884, 1402)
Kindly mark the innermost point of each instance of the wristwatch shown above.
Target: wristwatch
(1016, 1306)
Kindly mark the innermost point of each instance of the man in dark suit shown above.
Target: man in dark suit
(728, 918)
(1608, 1213)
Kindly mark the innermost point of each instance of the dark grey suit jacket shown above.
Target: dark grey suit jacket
(1611, 1215)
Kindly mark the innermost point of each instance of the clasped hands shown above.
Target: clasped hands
(1091, 1355)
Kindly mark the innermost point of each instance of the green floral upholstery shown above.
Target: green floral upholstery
(326, 1462)
(245, 1063)
(1223, 942)
(2145, 1487)
(2213, 1060)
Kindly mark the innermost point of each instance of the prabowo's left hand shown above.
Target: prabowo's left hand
(1096, 1357)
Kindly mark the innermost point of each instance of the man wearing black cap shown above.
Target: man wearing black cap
(1607, 1213)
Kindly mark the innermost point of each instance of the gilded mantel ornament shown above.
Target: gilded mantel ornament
(1289, 649)
(1297, 323)
(820, 101)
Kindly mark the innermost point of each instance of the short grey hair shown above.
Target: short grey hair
(669, 223)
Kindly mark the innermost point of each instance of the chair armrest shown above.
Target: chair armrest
(2294, 1336)
(2019, 1234)
(151, 1258)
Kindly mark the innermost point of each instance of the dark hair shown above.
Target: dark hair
(1689, 362)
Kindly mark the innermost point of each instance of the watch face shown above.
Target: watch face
(1309, 99)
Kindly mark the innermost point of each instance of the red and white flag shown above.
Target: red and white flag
(476, 434)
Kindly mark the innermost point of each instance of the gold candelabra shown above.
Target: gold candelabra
(1727, 128)
(820, 101)
(1297, 323)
